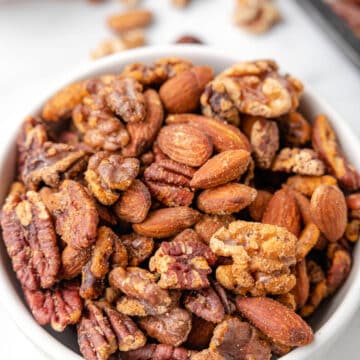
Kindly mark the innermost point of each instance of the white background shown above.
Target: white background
(41, 40)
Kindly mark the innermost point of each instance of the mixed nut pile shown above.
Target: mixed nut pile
(173, 214)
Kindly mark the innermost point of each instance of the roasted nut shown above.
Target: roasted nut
(261, 258)
(180, 3)
(317, 295)
(224, 136)
(324, 141)
(256, 88)
(295, 130)
(138, 247)
(181, 93)
(209, 224)
(206, 304)
(229, 305)
(59, 306)
(264, 139)
(75, 214)
(207, 355)
(162, 70)
(120, 256)
(91, 286)
(226, 199)
(234, 339)
(221, 169)
(287, 299)
(339, 270)
(329, 211)
(200, 334)
(276, 321)
(282, 210)
(30, 238)
(183, 263)
(307, 240)
(185, 144)
(169, 182)
(188, 39)
(109, 173)
(158, 352)
(302, 287)
(130, 20)
(352, 231)
(171, 328)
(307, 184)
(50, 163)
(299, 161)
(167, 222)
(143, 134)
(140, 284)
(60, 106)
(258, 206)
(303, 204)
(134, 203)
(72, 261)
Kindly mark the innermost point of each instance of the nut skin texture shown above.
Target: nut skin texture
(307, 240)
(221, 169)
(183, 263)
(261, 258)
(306, 185)
(167, 222)
(329, 211)
(234, 339)
(207, 355)
(171, 328)
(59, 306)
(158, 352)
(282, 210)
(223, 135)
(181, 93)
(302, 288)
(30, 238)
(258, 207)
(339, 270)
(72, 261)
(142, 134)
(209, 224)
(200, 334)
(324, 141)
(276, 321)
(185, 144)
(226, 199)
(130, 20)
(134, 204)
(138, 248)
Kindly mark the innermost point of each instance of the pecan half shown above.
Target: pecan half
(138, 247)
(59, 306)
(183, 263)
(109, 173)
(72, 261)
(158, 352)
(30, 238)
(261, 258)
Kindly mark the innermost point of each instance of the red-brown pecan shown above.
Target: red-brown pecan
(200, 334)
(134, 203)
(75, 214)
(183, 263)
(51, 163)
(339, 269)
(138, 247)
(169, 182)
(59, 306)
(324, 141)
(158, 352)
(125, 98)
(205, 303)
(140, 284)
(72, 261)
(30, 238)
(235, 339)
(143, 134)
(108, 173)
(171, 328)
(120, 256)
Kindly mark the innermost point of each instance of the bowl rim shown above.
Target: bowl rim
(19, 312)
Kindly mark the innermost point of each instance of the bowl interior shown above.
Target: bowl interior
(330, 318)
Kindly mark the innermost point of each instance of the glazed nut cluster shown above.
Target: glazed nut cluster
(170, 214)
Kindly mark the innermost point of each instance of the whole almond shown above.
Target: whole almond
(130, 20)
(226, 199)
(167, 222)
(221, 169)
(185, 144)
(276, 321)
(181, 93)
(224, 136)
(329, 211)
(283, 210)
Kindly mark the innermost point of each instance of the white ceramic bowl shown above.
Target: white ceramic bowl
(328, 322)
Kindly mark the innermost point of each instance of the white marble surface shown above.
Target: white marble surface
(41, 40)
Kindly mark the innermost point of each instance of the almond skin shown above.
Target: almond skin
(221, 169)
(185, 144)
(167, 222)
(283, 210)
(329, 211)
(276, 321)
(182, 93)
(226, 199)
(224, 136)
